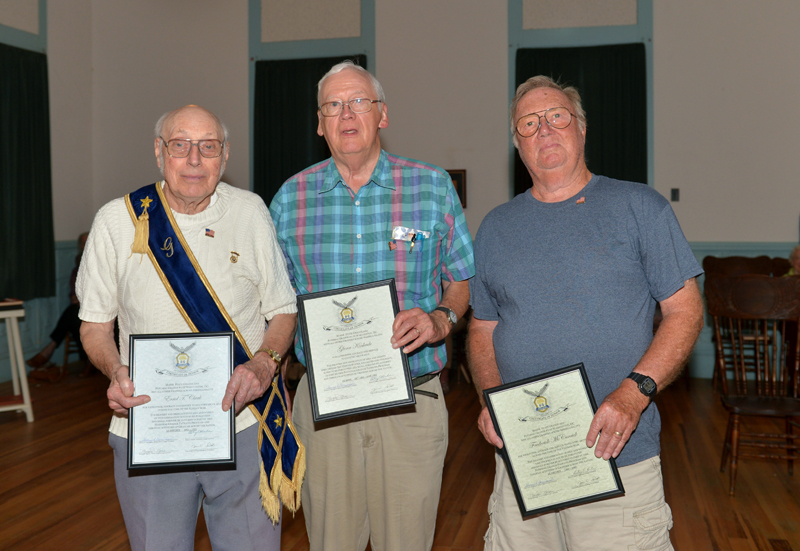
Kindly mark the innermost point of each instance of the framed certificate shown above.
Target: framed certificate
(183, 424)
(351, 365)
(543, 422)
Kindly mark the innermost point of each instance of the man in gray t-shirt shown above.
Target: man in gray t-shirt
(571, 271)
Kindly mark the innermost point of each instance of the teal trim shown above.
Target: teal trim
(584, 36)
(25, 40)
(302, 49)
(702, 249)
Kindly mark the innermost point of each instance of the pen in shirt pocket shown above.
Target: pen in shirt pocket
(402, 233)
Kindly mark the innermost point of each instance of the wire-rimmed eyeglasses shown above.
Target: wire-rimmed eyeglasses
(356, 105)
(180, 147)
(556, 117)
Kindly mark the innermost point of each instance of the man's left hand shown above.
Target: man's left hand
(414, 328)
(616, 419)
(249, 381)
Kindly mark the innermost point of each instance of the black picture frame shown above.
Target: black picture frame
(183, 463)
(551, 503)
(314, 353)
(459, 177)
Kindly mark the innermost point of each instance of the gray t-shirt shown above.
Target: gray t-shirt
(578, 281)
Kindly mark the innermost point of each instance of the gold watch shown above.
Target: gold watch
(272, 354)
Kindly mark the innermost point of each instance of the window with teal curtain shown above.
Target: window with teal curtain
(27, 248)
(285, 139)
(613, 87)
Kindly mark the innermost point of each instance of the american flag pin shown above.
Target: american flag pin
(580, 201)
(209, 233)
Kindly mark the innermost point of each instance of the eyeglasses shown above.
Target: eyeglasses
(181, 148)
(556, 117)
(356, 105)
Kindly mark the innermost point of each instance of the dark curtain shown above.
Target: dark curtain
(612, 84)
(27, 249)
(285, 137)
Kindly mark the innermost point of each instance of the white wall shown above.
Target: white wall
(69, 63)
(446, 80)
(115, 67)
(727, 104)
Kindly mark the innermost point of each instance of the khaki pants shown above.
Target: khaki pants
(639, 520)
(373, 477)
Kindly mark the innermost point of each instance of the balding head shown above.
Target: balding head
(191, 177)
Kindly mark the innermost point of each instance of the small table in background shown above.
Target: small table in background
(10, 311)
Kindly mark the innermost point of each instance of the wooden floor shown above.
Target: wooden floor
(57, 484)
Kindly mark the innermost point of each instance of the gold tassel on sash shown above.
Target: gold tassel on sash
(275, 486)
(142, 225)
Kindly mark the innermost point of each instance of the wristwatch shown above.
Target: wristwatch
(451, 316)
(272, 354)
(647, 386)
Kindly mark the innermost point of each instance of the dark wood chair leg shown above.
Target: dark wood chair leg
(726, 445)
(734, 452)
(789, 444)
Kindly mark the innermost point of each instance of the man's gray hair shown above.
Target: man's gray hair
(541, 81)
(348, 64)
(160, 128)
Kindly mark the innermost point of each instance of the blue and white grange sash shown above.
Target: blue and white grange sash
(160, 238)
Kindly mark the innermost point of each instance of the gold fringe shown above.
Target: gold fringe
(270, 502)
(290, 489)
(142, 235)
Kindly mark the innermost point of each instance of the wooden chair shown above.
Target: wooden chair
(723, 266)
(780, 266)
(758, 317)
(728, 266)
(71, 346)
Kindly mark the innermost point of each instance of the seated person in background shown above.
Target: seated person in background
(69, 322)
(794, 260)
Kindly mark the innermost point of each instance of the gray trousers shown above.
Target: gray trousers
(160, 510)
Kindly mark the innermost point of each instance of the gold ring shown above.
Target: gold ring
(418, 331)
(617, 433)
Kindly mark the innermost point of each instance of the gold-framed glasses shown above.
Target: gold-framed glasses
(180, 147)
(556, 117)
(356, 105)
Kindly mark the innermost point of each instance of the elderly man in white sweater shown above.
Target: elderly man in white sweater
(232, 238)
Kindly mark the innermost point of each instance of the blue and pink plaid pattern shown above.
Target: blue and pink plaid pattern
(332, 239)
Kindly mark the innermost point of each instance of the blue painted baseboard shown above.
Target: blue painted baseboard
(41, 314)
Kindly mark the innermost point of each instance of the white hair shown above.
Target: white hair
(348, 64)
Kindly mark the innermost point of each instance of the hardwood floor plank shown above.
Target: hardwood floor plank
(57, 483)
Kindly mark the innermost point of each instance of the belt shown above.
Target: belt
(422, 379)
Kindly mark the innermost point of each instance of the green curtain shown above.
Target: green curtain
(285, 137)
(613, 87)
(27, 248)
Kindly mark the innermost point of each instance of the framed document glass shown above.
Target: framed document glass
(183, 424)
(543, 422)
(351, 365)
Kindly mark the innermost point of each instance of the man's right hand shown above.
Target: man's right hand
(120, 392)
(487, 428)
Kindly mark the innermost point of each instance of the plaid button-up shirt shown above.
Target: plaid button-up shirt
(333, 239)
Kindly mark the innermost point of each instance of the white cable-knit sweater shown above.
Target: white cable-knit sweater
(112, 283)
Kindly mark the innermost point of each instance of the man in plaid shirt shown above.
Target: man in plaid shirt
(362, 216)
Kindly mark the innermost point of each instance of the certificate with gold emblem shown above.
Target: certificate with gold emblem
(543, 422)
(183, 425)
(351, 365)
